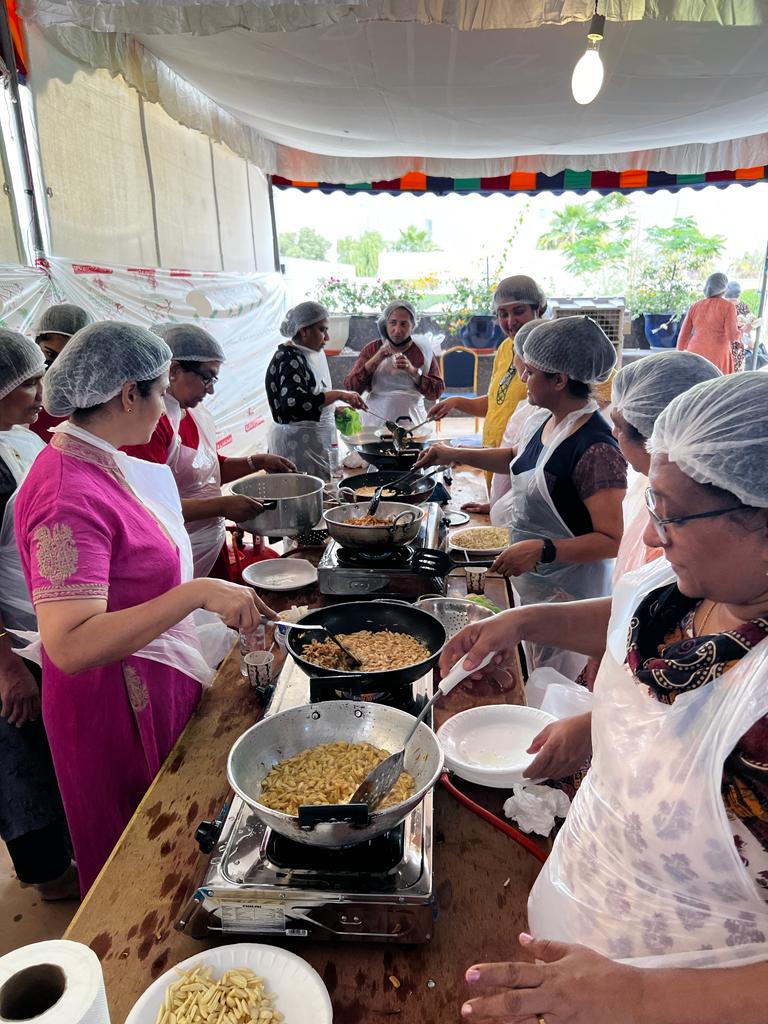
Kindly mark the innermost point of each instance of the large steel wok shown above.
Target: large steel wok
(404, 527)
(354, 616)
(281, 736)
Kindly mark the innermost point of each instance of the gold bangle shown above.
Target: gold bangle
(540, 1019)
(4, 633)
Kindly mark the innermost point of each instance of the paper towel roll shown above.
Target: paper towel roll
(55, 982)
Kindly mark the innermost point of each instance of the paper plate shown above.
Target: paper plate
(487, 744)
(299, 992)
(280, 574)
(455, 538)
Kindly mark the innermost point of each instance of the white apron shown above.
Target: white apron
(19, 448)
(645, 867)
(307, 443)
(633, 552)
(197, 475)
(180, 645)
(393, 395)
(532, 515)
(501, 483)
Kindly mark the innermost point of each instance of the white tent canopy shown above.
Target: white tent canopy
(372, 91)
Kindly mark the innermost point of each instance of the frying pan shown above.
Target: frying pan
(414, 494)
(382, 454)
(405, 524)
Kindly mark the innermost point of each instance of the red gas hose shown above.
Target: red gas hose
(492, 819)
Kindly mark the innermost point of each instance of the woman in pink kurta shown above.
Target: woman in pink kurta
(710, 326)
(105, 554)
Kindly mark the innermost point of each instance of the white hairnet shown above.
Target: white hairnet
(715, 285)
(381, 323)
(98, 361)
(523, 332)
(717, 433)
(65, 318)
(733, 291)
(519, 289)
(643, 389)
(575, 345)
(303, 315)
(20, 359)
(190, 343)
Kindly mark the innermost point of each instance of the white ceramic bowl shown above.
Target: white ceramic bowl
(299, 992)
(280, 574)
(487, 744)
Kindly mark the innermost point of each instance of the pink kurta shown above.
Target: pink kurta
(708, 329)
(81, 535)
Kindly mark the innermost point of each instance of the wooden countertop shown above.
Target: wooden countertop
(482, 878)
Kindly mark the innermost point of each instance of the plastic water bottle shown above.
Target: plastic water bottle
(334, 458)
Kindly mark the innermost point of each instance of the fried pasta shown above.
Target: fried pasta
(481, 538)
(378, 652)
(368, 521)
(368, 492)
(238, 997)
(328, 774)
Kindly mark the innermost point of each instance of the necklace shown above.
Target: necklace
(704, 621)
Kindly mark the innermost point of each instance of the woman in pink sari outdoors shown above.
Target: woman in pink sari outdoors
(108, 565)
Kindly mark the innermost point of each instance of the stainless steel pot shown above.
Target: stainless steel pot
(281, 736)
(299, 501)
(402, 530)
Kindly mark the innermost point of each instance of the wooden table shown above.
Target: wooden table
(482, 878)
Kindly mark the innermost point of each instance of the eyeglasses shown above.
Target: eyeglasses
(208, 379)
(662, 524)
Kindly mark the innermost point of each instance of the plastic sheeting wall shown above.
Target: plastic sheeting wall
(8, 251)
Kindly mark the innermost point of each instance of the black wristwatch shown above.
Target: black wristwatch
(549, 552)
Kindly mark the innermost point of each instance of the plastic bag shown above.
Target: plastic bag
(535, 808)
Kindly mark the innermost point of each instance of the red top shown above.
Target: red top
(43, 424)
(156, 449)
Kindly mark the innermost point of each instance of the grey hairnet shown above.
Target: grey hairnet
(303, 315)
(733, 291)
(717, 433)
(715, 285)
(519, 289)
(642, 390)
(190, 343)
(20, 359)
(98, 361)
(381, 323)
(65, 318)
(575, 345)
(523, 332)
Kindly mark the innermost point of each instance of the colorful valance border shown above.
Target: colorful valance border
(532, 183)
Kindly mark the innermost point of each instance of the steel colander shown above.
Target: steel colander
(454, 612)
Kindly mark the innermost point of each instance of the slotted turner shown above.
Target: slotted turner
(378, 782)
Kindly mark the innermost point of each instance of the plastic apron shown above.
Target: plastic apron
(393, 395)
(307, 443)
(180, 645)
(197, 475)
(19, 448)
(532, 515)
(633, 552)
(501, 482)
(645, 867)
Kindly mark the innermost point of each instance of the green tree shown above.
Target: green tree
(307, 244)
(363, 252)
(595, 236)
(413, 239)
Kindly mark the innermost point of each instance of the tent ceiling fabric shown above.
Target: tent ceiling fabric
(373, 100)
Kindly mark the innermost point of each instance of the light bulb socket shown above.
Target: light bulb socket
(596, 28)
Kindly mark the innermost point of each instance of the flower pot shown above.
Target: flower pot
(338, 332)
(661, 329)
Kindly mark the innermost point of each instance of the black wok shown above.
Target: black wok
(382, 454)
(375, 616)
(415, 493)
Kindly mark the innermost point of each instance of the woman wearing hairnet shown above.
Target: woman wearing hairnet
(299, 392)
(710, 325)
(652, 908)
(108, 565)
(185, 440)
(53, 330)
(32, 822)
(567, 478)
(397, 372)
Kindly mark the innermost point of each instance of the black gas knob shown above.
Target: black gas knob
(206, 835)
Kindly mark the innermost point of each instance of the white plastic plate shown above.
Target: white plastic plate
(454, 543)
(299, 992)
(280, 574)
(488, 745)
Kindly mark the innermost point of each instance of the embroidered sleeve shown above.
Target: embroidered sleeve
(70, 560)
(600, 468)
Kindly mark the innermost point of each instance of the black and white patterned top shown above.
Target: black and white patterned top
(290, 387)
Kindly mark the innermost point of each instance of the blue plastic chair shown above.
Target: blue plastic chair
(459, 368)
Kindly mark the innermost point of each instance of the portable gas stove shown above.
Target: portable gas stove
(260, 883)
(409, 571)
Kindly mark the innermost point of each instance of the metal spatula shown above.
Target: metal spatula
(380, 781)
(356, 663)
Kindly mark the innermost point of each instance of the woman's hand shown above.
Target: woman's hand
(273, 463)
(519, 558)
(477, 508)
(19, 692)
(350, 397)
(238, 607)
(500, 633)
(441, 409)
(435, 455)
(239, 507)
(562, 748)
(573, 985)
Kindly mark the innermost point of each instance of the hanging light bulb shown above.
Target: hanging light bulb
(587, 78)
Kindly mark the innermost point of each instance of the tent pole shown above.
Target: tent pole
(760, 330)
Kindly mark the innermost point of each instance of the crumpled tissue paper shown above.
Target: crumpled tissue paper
(535, 808)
